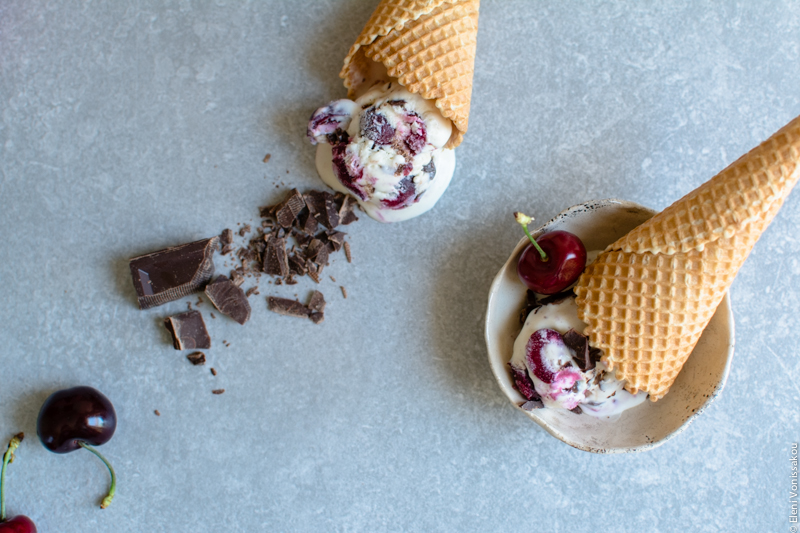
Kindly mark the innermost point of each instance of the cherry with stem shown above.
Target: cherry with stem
(80, 417)
(19, 523)
(552, 262)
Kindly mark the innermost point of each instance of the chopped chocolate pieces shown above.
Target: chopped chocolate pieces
(284, 306)
(237, 277)
(347, 252)
(323, 206)
(228, 248)
(251, 291)
(530, 405)
(213, 371)
(229, 299)
(188, 331)
(335, 238)
(275, 261)
(344, 292)
(297, 266)
(172, 273)
(577, 410)
(218, 391)
(557, 297)
(157, 412)
(226, 237)
(197, 358)
(313, 311)
(532, 303)
(307, 223)
(244, 230)
(266, 158)
(586, 356)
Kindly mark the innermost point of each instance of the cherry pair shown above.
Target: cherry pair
(69, 419)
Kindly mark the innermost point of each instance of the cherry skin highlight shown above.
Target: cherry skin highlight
(566, 259)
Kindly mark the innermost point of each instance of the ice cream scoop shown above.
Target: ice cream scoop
(557, 373)
(386, 148)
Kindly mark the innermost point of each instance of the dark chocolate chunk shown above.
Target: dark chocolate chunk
(532, 303)
(313, 270)
(297, 265)
(276, 262)
(237, 276)
(251, 291)
(284, 306)
(226, 237)
(266, 158)
(229, 299)
(317, 302)
(287, 211)
(317, 318)
(188, 331)
(301, 238)
(577, 410)
(197, 358)
(228, 248)
(318, 252)
(329, 215)
(307, 223)
(336, 238)
(173, 273)
(346, 214)
(586, 356)
(213, 371)
(157, 412)
(530, 405)
(218, 391)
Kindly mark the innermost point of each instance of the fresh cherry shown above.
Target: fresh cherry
(19, 523)
(78, 418)
(553, 262)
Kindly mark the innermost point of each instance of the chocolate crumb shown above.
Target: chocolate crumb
(347, 252)
(344, 292)
(213, 372)
(266, 158)
(156, 412)
(284, 306)
(218, 391)
(226, 237)
(212, 315)
(332, 279)
(244, 230)
(251, 291)
(197, 358)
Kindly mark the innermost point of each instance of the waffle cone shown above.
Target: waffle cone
(429, 46)
(650, 295)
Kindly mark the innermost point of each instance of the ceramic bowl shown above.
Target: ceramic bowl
(598, 224)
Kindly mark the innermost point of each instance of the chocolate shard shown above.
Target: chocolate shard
(276, 262)
(287, 307)
(188, 331)
(244, 230)
(318, 252)
(523, 383)
(577, 410)
(313, 270)
(531, 405)
(346, 214)
(226, 237)
(229, 299)
(228, 248)
(268, 211)
(301, 238)
(237, 276)
(329, 215)
(197, 358)
(173, 273)
(307, 223)
(317, 302)
(297, 265)
(317, 318)
(287, 211)
(336, 238)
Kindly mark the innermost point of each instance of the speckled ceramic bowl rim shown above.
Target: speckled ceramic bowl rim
(724, 305)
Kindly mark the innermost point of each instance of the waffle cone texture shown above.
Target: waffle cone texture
(649, 296)
(429, 46)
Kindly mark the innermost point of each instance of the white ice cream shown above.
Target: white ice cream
(386, 149)
(597, 392)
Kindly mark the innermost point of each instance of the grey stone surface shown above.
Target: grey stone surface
(129, 126)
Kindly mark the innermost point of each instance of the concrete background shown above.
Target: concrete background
(130, 126)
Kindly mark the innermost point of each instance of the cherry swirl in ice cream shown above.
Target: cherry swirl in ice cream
(386, 149)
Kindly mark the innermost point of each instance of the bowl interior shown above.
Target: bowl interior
(648, 425)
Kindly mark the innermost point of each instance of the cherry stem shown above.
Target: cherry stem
(523, 221)
(8, 458)
(113, 489)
